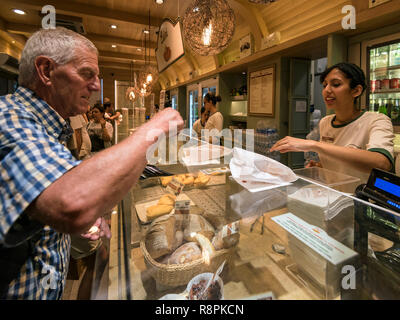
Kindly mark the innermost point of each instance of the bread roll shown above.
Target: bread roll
(166, 180)
(188, 180)
(157, 210)
(201, 181)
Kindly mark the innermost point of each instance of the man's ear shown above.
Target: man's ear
(44, 65)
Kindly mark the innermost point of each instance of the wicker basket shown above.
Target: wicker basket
(174, 275)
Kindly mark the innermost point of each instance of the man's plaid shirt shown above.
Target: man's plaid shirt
(32, 158)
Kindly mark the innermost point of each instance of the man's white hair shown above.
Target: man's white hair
(59, 44)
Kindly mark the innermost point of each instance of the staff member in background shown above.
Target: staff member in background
(46, 193)
(200, 123)
(100, 131)
(84, 146)
(351, 141)
(215, 119)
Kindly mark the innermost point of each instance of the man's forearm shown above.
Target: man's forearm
(94, 187)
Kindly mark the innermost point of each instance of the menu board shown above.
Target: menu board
(262, 92)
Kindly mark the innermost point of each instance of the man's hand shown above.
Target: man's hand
(98, 230)
(168, 122)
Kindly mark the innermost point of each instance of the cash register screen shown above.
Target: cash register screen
(387, 187)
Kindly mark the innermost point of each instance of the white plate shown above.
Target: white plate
(141, 207)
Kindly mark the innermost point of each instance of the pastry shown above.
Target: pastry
(157, 210)
(167, 199)
(166, 180)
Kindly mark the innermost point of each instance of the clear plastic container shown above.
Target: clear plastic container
(338, 181)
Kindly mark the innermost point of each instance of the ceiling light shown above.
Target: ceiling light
(13, 41)
(18, 11)
(159, 1)
(113, 45)
(138, 49)
(146, 31)
(113, 26)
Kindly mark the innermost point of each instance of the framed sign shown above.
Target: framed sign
(169, 44)
(262, 92)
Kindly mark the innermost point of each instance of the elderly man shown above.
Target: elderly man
(45, 194)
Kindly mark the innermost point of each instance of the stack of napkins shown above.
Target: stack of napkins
(331, 212)
(256, 172)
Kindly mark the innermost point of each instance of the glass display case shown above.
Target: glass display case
(384, 74)
(310, 239)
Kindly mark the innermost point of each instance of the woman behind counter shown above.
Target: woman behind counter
(351, 141)
(200, 123)
(215, 119)
(100, 131)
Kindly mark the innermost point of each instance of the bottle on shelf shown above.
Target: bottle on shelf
(389, 107)
(382, 107)
(376, 105)
(371, 105)
(396, 110)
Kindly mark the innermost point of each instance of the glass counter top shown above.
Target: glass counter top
(302, 241)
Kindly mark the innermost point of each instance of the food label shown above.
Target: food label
(229, 229)
(215, 171)
(182, 206)
(175, 187)
(315, 238)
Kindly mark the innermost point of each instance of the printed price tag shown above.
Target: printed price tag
(174, 187)
(182, 206)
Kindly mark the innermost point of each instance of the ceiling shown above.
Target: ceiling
(117, 47)
(297, 21)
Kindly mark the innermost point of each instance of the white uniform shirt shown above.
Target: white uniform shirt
(370, 131)
(79, 122)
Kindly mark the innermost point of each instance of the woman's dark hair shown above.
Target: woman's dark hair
(99, 107)
(202, 110)
(352, 72)
(211, 97)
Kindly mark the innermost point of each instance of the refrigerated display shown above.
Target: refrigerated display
(193, 107)
(384, 79)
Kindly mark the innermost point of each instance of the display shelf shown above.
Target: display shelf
(386, 91)
(239, 98)
(239, 118)
(383, 69)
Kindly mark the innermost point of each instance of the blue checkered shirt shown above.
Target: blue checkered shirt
(32, 158)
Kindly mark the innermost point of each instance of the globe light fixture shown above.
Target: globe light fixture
(208, 26)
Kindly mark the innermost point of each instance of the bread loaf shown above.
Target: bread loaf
(157, 210)
(186, 253)
(160, 238)
(194, 223)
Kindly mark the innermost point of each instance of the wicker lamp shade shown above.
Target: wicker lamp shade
(208, 26)
(147, 78)
(261, 1)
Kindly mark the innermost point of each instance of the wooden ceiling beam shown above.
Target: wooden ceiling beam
(127, 56)
(118, 41)
(84, 10)
(28, 29)
(118, 65)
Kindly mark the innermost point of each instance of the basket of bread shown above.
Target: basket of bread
(177, 247)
